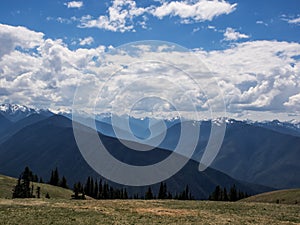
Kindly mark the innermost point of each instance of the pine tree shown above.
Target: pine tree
(149, 194)
(225, 198)
(100, 189)
(76, 191)
(87, 187)
(23, 188)
(125, 194)
(216, 195)
(162, 193)
(96, 190)
(54, 179)
(63, 182)
(38, 192)
(233, 193)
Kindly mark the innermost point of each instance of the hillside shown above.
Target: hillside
(50, 143)
(290, 196)
(8, 183)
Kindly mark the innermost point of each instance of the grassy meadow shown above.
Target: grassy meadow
(60, 209)
(54, 211)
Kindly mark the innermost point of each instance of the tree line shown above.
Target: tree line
(26, 189)
(102, 190)
(221, 194)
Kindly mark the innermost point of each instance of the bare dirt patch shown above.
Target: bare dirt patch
(166, 212)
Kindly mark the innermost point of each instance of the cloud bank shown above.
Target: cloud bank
(124, 15)
(255, 77)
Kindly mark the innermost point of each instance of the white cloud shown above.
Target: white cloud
(262, 23)
(119, 19)
(74, 4)
(255, 77)
(86, 41)
(293, 101)
(258, 75)
(294, 21)
(232, 35)
(195, 11)
(12, 37)
(122, 15)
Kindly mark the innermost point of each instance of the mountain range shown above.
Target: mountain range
(256, 156)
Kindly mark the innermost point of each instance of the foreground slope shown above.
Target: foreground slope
(7, 184)
(101, 212)
(290, 196)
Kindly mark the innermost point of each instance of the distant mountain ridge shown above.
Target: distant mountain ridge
(15, 112)
(251, 151)
(50, 143)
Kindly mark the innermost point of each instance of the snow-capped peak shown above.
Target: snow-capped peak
(15, 112)
(14, 108)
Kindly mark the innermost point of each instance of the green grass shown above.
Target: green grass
(44, 211)
(7, 184)
(290, 196)
(61, 210)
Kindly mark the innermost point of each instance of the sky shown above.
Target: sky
(214, 57)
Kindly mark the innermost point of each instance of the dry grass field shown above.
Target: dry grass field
(60, 209)
(290, 196)
(54, 211)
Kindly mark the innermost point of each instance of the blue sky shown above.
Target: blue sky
(252, 48)
(260, 20)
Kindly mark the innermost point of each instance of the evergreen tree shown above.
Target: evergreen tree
(63, 182)
(35, 178)
(100, 195)
(162, 193)
(96, 190)
(54, 179)
(216, 195)
(220, 194)
(149, 194)
(225, 198)
(76, 191)
(38, 192)
(78, 188)
(87, 187)
(233, 193)
(91, 191)
(23, 188)
(105, 191)
(125, 196)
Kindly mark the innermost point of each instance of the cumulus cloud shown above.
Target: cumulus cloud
(254, 76)
(195, 11)
(233, 35)
(258, 75)
(74, 4)
(121, 15)
(293, 101)
(12, 37)
(86, 41)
